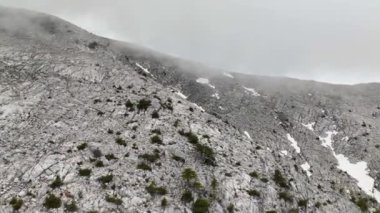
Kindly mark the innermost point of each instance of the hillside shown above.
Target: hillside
(90, 124)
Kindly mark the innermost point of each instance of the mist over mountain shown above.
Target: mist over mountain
(91, 124)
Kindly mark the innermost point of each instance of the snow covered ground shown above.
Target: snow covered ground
(293, 143)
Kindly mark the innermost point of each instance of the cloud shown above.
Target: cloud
(327, 40)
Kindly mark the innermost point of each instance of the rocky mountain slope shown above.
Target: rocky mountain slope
(89, 124)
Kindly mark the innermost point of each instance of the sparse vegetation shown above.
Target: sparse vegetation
(97, 153)
(254, 174)
(114, 200)
(361, 202)
(52, 202)
(201, 205)
(99, 163)
(93, 45)
(207, 153)
(303, 203)
(187, 196)
(153, 189)
(143, 104)
(144, 166)
(191, 137)
(151, 157)
(105, 179)
(231, 208)
(110, 157)
(82, 146)
(120, 141)
(253, 193)
(57, 182)
(71, 207)
(155, 115)
(85, 172)
(156, 139)
(164, 202)
(189, 174)
(285, 196)
(279, 179)
(130, 106)
(16, 203)
(178, 158)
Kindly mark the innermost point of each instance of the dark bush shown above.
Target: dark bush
(164, 202)
(279, 179)
(120, 141)
(155, 115)
(52, 202)
(187, 196)
(105, 179)
(285, 196)
(114, 200)
(189, 174)
(201, 205)
(110, 157)
(144, 166)
(254, 174)
(156, 140)
(231, 208)
(82, 146)
(97, 153)
(191, 137)
(153, 189)
(178, 158)
(71, 207)
(85, 172)
(16, 203)
(150, 157)
(207, 153)
(303, 203)
(253, 193)
(99, 163)
(93, 45)
(143, 104)
(56, 183)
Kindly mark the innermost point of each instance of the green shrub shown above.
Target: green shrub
(143, 104)
(207, 153)
(303, 203)
(16, 203)
(99, 163)
(187, 196)
(144, 166)
(85, 172)
(130, 106)
(164, 202)
(214, 184)
(153, 189)
(271, 211)
(231, 208)
(71, 207)
(156, 139)
(105, 179)
(56, 183)
(114, 200)
(253, 193)
(110, 157)
(120, 141)
(150, 157)
(156, 131)
(264, 180)
(285, 196)
(178, 158)
(362, 203)
(201, 205)
(279, 179)
(191, 137)
(189, 174)
(82, 146)
(318, 205)
(254, 174)
(52, 202)
(155, 115)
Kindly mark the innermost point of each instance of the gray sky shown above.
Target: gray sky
(326, 40)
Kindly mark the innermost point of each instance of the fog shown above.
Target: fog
(334, 41)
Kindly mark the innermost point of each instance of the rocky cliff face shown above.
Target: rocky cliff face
(89, 124)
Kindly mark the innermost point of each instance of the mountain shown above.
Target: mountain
(89, 124)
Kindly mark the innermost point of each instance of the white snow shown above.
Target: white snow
(228, 75)
(205, 81)
(220, 107)
(9, 109)
(293, 143)
(359, 170)
(310, 126)
(247, 134)
(180, 94)
(201, 108)
(252, 91)
(283, 152)
(216, 95)
(143, 68)
(306, 168)
(327, 141)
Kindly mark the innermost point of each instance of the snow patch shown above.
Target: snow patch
(306, 168)
(252, 91)
(247, 134)
(180, 94)
(359, 171)
(221, 108)
(293, 143)
(310, 126)
(284, 153)
(216, 95)
(228, 75)
(205, 81)
(143, 68)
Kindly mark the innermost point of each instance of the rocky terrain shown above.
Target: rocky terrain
(88, 124)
